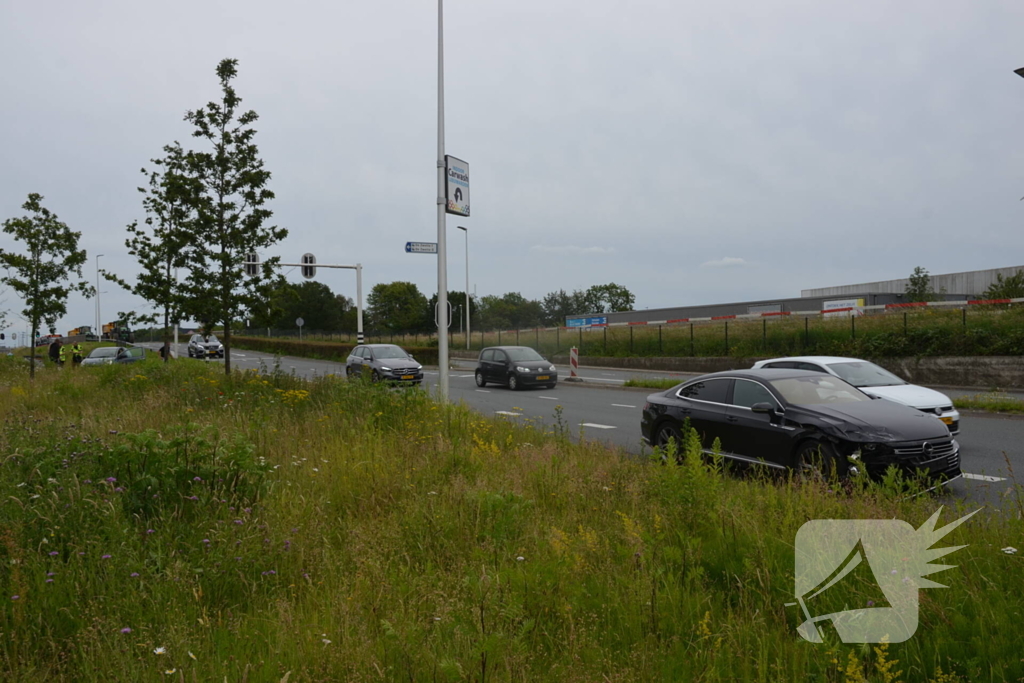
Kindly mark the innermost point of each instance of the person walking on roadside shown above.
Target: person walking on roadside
(55, 351)
(76, 353)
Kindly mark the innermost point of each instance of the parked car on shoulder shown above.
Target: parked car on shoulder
(803, 421)
(107, 355)
(208, 346)
(875, 381)
(383, 362)
(516, 367)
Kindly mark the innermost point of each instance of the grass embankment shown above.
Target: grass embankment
(993, 402)
(168, 519)
(651, 382)
(320, 350)
(996, 330)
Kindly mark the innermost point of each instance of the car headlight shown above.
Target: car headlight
(551, 369)
(419, 367)
(519, 369)
(385, 369)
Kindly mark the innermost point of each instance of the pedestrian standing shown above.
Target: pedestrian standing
(62, 355)
(55, 350)
(76, 353)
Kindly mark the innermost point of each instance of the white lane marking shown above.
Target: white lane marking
(622, 405)
(598, 379)
(608, 374)
(982, 477)
(465, 375)
(505, 412)
(483, 391)
(597, 426)
(550, 398)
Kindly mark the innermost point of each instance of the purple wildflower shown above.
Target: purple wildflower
(53, 552)
(149, 531)
(126, 630)
(15, 597)
(49, 581)
(193, 497)
(206, 540)
(238, 521)
(197, 478)
(51, 573)
(111, 480)
(871, 603)
(134, 574)
(105, 557)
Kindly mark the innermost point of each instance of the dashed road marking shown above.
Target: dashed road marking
(505, 412)
(550, 398)
(465, 375)
(982, 477)
(593, 425)
(483, 391)
(622, 405)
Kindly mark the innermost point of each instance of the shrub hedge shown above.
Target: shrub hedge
(320, 349)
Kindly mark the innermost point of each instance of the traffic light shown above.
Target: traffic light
(308, 271)
(252, 264)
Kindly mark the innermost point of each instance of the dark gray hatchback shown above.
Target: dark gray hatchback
(515, 367)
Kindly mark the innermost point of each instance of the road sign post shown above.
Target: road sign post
(300, 322)
(421, 247)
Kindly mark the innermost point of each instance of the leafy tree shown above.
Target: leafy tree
(162, 244)
(44, 276)
(1006, 288)
(919, 288)
(397, 307)
(509, 311)
(228, 196)
(314, 302)
(458, 301)
(610, 298)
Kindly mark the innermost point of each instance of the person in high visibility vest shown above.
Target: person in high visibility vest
(76, 353)
(62, 356)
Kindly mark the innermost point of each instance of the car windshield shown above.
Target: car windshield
(104, 352)
(823, 389)
(389, 351)
(523, 354)
(864, 374)
(212, 340)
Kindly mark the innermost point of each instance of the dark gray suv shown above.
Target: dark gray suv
(387, 362)
(516, 367)
(205, 347)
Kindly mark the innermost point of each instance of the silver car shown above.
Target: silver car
(383, 362)
(205, 347)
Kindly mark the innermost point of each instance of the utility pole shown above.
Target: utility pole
(442, 259)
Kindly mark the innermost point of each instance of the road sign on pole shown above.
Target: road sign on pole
(456, 188)
(421, 247)
(252, 264)
(300, 322)
(436, 319)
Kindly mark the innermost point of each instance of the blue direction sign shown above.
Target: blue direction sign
(421, 247)
(586, 322)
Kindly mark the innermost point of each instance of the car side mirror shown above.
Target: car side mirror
(767, 408)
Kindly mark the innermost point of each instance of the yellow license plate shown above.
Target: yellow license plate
(543, 377)
(947, 420)
(407, 376)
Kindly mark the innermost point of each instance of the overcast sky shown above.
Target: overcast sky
(694, 152)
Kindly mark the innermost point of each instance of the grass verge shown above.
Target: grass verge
(651, 382)
(164, 520)
(993, 402)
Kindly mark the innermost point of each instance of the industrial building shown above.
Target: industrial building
(950, 287)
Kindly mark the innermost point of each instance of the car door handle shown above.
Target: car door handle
(732, 418)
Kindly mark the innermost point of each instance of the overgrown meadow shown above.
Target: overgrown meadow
(168, 523)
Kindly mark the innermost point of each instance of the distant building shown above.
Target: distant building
(957, 286)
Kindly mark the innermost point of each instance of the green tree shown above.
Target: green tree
(228, 196)
(162, 244)
(45, 276)
(1006, 288)
(314, 302)
(397, 307)
(509, 311)
(919, 288)
(457, 300)
(610, 298)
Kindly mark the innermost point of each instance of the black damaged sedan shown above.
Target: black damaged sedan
(795, 419)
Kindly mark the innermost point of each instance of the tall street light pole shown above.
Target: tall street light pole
(99, 324)
(442, 258)
(466, 230)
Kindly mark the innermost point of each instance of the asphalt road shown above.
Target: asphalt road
(601, 408)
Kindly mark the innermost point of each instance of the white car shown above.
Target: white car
(875, 381)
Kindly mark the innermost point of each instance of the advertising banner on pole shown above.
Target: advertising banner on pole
(456, 186)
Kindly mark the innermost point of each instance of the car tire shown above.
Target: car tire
(513, 382)
(818, 460)
(666, 432)
(375, 377)
(348, 372)
(480, 381)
